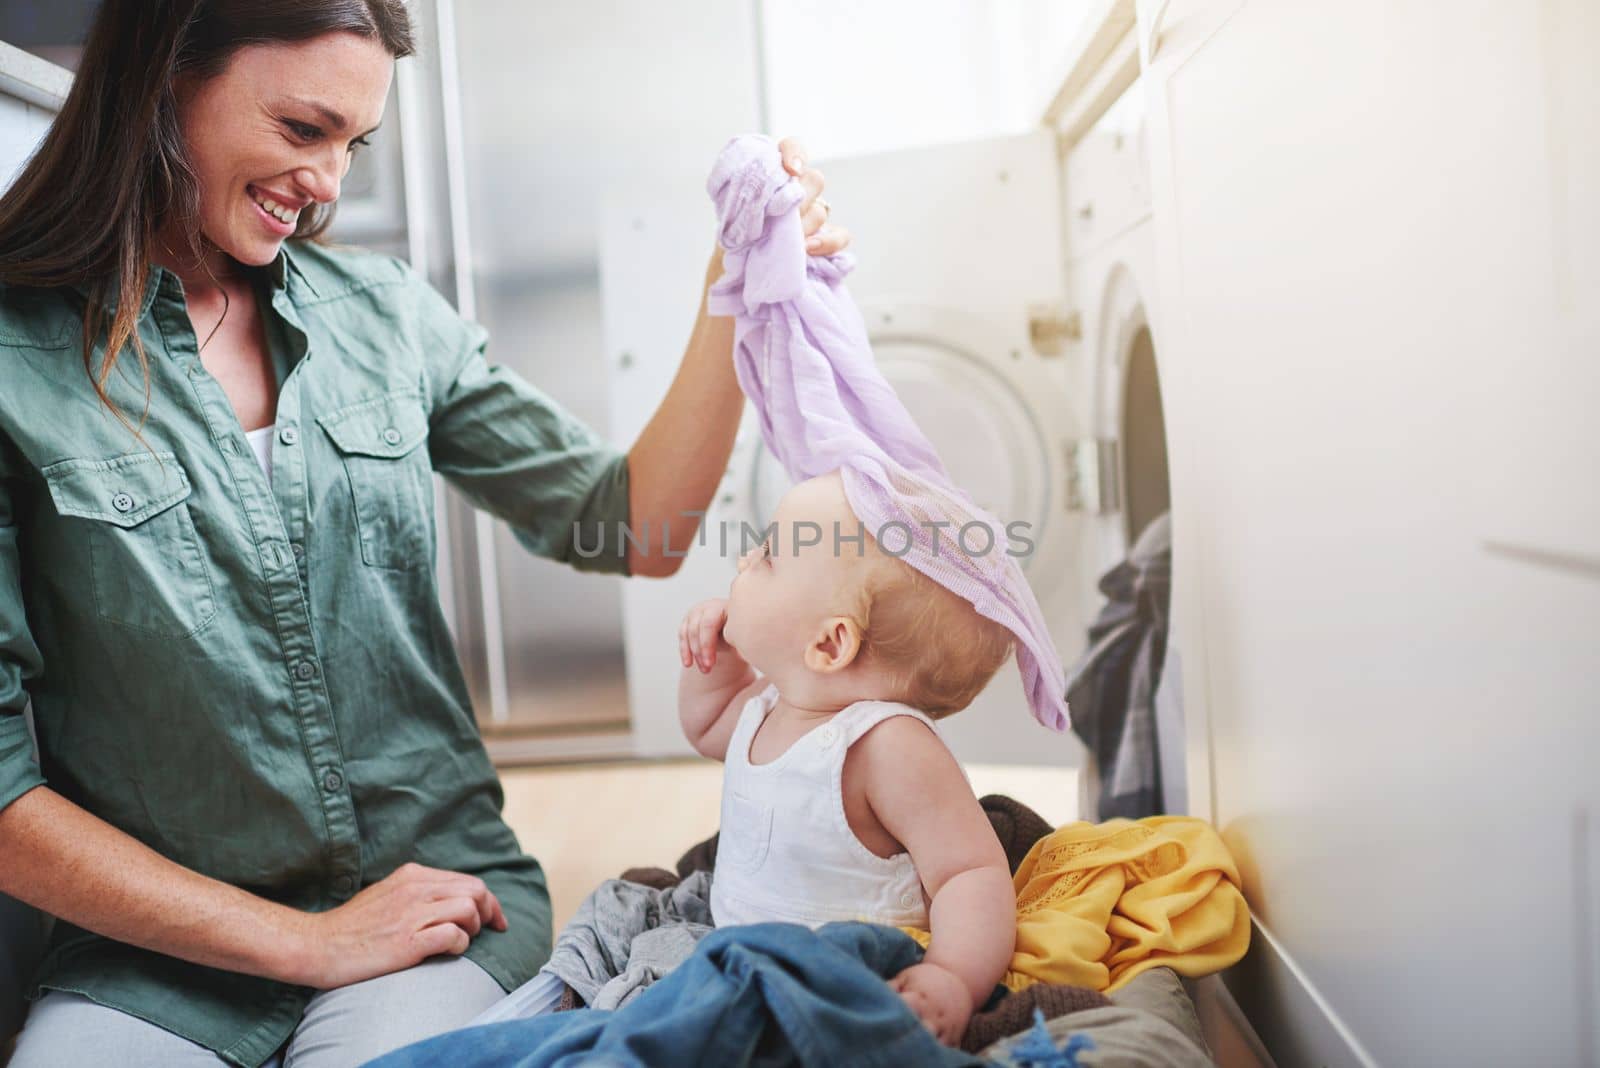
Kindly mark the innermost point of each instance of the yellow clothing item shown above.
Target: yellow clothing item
(1099, 903)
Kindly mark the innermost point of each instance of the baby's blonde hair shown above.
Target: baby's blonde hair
(939, 651)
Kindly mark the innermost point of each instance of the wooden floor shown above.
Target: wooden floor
(587, 823)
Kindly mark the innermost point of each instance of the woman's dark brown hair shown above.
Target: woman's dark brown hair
(112, 169)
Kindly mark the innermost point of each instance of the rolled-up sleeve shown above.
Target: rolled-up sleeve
(19, 656)
(515, 452)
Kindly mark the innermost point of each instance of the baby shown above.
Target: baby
(816, 683)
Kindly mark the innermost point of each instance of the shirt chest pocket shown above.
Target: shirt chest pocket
(390, 479)
(146, 567)
(746, 832)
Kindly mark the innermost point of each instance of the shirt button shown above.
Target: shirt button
(122, 502)
(391, 436)
(332, 781)
(344, 883)
(305, 669)
(289, 435)
(298, 550)
(908, 899)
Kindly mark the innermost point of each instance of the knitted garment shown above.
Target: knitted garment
(803, 358)
(1014, 1012)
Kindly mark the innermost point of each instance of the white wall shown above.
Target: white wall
(855, 78)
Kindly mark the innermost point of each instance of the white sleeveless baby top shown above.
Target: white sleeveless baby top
(786, 852)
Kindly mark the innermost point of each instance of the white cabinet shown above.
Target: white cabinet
(1379, 250)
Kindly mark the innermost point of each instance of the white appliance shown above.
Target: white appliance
(1122, 463)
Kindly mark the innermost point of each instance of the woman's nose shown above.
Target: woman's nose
(321, 182)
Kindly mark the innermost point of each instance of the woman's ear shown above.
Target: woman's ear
(836, 647)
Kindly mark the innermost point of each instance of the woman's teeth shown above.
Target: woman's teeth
(273, 208)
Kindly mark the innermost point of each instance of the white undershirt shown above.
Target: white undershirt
(261, 443)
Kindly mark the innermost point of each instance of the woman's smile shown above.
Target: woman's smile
(275, 215)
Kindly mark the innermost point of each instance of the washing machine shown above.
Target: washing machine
(1122, 467)
(960, 279)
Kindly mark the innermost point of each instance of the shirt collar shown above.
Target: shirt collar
(281, 274)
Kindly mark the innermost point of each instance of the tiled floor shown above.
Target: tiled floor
(587, 823)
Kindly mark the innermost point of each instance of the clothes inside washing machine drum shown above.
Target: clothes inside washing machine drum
(803, 358)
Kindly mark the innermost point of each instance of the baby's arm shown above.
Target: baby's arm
(917, 791)
(716, 682)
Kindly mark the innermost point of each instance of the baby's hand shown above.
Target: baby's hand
(938, 997)
(700, 634)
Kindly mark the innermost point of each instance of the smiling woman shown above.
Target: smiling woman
(261, 813)
(150, 123)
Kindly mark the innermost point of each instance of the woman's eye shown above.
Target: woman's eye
(302, 130)
(362, 141)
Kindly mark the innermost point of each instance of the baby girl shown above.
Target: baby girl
(817, 682)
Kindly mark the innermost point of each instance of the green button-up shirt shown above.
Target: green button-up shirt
(255, 678)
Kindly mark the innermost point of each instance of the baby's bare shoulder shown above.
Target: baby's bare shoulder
(903, 751)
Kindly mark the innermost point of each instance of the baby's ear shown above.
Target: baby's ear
(836, 647)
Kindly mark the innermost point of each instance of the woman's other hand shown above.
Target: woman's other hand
(823, 238)
(415, 913)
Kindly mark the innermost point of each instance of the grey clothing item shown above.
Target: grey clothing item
(1113, 685)
(625, 936)
(1151, 1024)
(340, 1029)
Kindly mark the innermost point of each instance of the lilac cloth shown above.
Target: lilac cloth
(803, 357)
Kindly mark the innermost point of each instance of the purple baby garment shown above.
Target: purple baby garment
(803, 358)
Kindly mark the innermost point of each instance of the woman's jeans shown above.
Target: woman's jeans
(341, 1028)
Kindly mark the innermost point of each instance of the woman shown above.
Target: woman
(261, 811)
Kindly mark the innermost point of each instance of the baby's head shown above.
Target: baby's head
(831, 619)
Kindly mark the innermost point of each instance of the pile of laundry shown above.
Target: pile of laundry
(1108, 917)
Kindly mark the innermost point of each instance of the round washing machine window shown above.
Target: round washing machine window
(983, 420)
(1146, 482)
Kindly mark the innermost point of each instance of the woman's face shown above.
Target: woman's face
(275, 131)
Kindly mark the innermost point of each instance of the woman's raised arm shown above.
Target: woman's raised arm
(680, 456)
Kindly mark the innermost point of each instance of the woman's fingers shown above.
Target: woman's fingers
(488, 906)
(441, 938)
(461, 911)
(811, 181)
(813, 218)
(450, 885)
(794, 155)
(827, 241)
